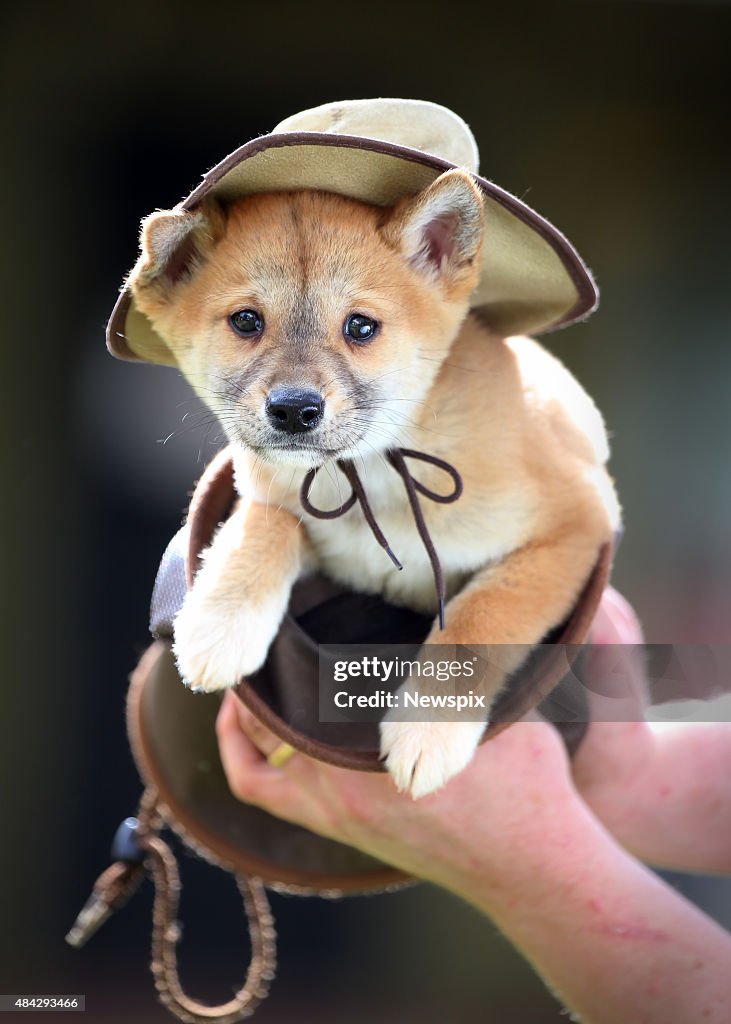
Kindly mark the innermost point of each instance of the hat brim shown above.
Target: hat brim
(532, 280)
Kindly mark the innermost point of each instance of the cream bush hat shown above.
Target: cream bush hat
(379, 151)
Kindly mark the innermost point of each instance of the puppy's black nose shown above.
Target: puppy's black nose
(294, 410)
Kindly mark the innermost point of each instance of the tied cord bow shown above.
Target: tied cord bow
(397, 458)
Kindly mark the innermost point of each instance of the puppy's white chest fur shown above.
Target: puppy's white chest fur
(467, 535)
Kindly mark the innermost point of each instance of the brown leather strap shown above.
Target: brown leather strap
(166, 932)
(396, 458)
(114, 887)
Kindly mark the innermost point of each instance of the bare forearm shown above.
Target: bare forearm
(673, 806)
(609, 937)
(511, 836)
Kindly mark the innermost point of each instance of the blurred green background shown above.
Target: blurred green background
(611, 119)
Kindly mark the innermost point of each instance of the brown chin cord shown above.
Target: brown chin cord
(397, 458)
(138, 845)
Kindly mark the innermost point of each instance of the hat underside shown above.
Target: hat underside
(532, 279)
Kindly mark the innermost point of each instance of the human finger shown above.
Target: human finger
(250, 776)
(277, 752)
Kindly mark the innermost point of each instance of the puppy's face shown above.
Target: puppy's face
(312, 325)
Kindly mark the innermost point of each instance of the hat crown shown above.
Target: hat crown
(415, 124)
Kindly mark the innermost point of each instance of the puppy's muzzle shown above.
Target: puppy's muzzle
(294, 410)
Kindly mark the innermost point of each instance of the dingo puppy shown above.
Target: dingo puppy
(316, 328)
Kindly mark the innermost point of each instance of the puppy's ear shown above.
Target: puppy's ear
(439, 231)
(174, 243)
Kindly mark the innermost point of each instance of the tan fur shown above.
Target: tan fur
(531, 447)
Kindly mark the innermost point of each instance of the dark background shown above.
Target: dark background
(611, 120)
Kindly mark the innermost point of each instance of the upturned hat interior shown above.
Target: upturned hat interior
(172, 730)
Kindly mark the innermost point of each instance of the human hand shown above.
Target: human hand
(496, 819)
(510, 835)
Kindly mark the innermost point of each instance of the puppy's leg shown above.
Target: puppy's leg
(239, 597)
(512, 604)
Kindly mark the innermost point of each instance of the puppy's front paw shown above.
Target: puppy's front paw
(217, 642)
(423, 756)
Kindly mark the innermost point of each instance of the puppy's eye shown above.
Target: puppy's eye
(360, 328)
(246, 322)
